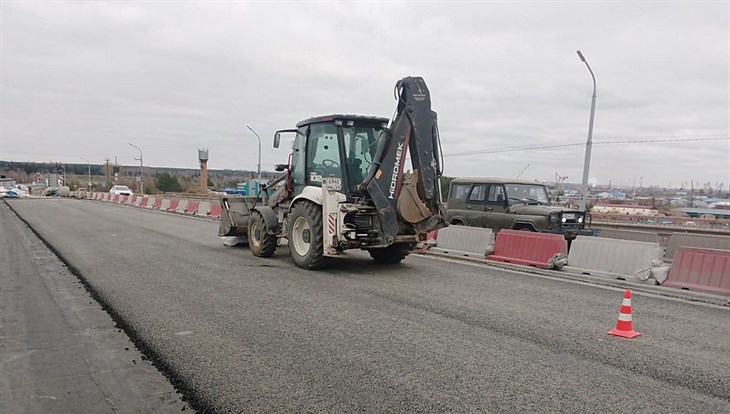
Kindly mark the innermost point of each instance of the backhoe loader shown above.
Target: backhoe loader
(345, 186)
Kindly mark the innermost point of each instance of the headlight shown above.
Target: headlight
(580, 219)
(563, 219)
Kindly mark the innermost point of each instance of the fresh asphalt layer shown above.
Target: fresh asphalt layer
(238, 333)
(59, 351)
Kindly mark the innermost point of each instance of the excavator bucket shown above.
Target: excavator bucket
(235, 216)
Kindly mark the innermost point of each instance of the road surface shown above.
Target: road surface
(246, 334)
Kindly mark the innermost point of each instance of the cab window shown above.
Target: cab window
(496, 194)
(323, 153)
(361, 143)
(478, 193)
(459, 191)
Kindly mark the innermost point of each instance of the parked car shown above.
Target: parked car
(120, 190)
(503, 203)
(16, 193)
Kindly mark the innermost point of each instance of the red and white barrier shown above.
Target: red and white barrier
(527, 248)
(705, 270)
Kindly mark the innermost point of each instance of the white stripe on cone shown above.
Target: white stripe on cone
(626, 317)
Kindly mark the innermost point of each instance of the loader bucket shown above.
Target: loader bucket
(235, 216)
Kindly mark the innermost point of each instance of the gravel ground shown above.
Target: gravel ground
(244, 334)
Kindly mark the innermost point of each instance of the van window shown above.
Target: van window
(478, 193)
(496, 194)
(459, 191)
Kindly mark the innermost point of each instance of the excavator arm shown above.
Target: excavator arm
(414, 198)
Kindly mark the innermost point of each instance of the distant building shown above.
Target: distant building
(612, 195)
(7, 182)
(707, 213)
(624, 209)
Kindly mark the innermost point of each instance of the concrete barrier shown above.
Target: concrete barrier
(705, 270)
(192, 207)
(464, 241)
(215, 210)
(143, 202)
(703, 241)
(203, 209)
(643, 236)
(128, 201)
(527, 248)
(619, 259)
(182, 206)
(157, 203)
(165, 204)
(174, 204)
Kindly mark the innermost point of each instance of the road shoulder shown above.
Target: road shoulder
(60, 352)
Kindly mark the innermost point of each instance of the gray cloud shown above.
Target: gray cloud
(83, 79)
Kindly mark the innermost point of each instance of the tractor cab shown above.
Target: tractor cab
(341, 146)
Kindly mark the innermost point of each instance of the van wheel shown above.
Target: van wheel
(260, 242)
(306, 236)
(389, 255)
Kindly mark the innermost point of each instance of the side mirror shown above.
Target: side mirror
(281, 167)
(277, 140)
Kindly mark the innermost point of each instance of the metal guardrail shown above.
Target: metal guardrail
(661, 224)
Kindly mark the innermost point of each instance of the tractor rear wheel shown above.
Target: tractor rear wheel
(306, 238)
(260, 242)
(389, 255)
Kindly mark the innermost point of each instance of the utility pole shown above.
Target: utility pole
(141, 169)
(106, 173)
(88, 184)
(589, 142)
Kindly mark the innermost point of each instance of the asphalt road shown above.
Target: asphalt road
(59, 351)
(244, 334)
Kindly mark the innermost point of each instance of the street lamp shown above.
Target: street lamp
(589, 142)
(88, 162)
(141, 169)
(258, 183)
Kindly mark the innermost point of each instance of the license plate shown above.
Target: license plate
(332, 183)
(569, 216)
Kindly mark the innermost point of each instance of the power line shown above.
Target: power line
(575, 144)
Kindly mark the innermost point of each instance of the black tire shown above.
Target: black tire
(392, 254)
(524, 227)
(261, 243)
(305, 234)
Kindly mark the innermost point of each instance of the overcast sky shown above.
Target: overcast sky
(84, 79)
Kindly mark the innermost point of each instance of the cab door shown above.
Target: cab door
(299, 161)
(496, 210)
(476, 206)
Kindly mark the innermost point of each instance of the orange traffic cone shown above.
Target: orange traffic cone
(624, 327)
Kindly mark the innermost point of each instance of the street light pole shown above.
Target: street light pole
(589, 142)
(258, 183)
(88, 162)
(141, 169)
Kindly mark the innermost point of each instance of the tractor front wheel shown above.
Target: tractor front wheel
(260, 242)
(305, 235)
